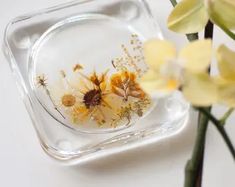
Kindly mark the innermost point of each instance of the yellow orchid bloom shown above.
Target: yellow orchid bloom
(191, 16)
(187, 69)
(226, 79)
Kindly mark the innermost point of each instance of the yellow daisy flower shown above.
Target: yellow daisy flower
(83, 98)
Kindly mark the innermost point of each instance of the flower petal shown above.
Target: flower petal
(226, 62)
(153, 83)
(196, 56)
(189, 16)
(222, 12)
(226, 92)
(158, 52)
(200, 89)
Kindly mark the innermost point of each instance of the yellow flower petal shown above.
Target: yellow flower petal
(200, 89)
(189, 16)
(150, 75)
(149, 81)
(158, 52)
(196, 56)
(227, 93)
(152, 83)
(222, 11)
(226, 62)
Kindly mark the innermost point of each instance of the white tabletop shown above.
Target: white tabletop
(24, 164)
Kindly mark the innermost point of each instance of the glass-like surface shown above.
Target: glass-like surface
(77, 66)
(63, 62)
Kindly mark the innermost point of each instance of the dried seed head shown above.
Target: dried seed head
(68, 100)
(77, 67)
(63, 74)
(41, 80)
(92, 98)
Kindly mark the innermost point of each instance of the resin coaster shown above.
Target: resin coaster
(78, 66)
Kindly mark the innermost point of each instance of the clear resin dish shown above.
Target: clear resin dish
(78, 67)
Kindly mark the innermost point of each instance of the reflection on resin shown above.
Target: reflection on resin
(108, 98)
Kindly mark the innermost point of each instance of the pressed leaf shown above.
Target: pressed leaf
(196, 56)
(189, 16)
(226, 62)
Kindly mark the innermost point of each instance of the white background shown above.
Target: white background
(24, 164)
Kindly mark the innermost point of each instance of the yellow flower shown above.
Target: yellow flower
(169, 70)
(124, 84)
(84, 98)
(191, 16)
(226, 78)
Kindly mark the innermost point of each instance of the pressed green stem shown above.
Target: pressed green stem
(226, 116)
(221, 130)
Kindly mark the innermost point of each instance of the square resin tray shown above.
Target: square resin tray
(77, 66)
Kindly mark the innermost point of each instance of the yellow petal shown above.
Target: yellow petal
(227, 93)
(222, 11)
(189, 16)
(153, 83)
(103, 86)
(196, 56)
(200, 89)
(149, 81)
(150, 75)
(158, 52)
(226, 62)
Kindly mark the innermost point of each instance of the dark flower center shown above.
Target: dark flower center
(92, 98)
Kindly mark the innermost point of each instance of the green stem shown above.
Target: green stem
(192, 169)
(192, 37)
(221, 130)
(227, 31)
(173, 2)
(226, 116)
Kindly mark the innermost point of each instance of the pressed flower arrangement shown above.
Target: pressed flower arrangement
(106, 99)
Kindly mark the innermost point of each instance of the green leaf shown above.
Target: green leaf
(189, 16)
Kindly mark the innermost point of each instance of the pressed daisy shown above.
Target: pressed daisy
(84, 98)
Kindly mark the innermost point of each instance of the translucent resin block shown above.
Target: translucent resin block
(78, 67)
